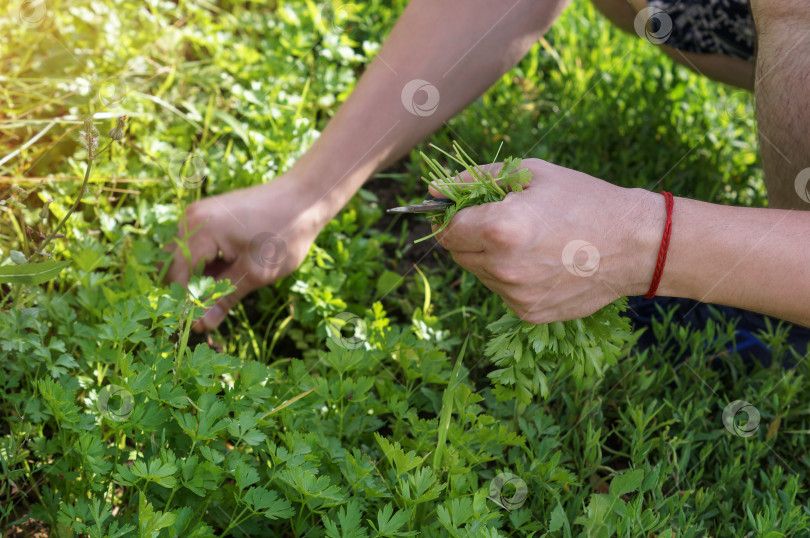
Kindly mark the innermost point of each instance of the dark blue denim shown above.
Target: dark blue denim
(642, 311)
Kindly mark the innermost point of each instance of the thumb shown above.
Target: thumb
(465, 177)
(433, 192)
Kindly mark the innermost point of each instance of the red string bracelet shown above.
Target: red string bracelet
(662, 252)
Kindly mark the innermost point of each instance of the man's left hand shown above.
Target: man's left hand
(562, 248)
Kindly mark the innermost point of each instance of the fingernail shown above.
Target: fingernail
(214, 316)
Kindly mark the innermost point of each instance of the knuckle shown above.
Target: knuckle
(197, 212)
(531, 308)
(258, 272)
(256, 275)
(521, 312)
(193, 209)
(533, 316)
(507, 233)
(534, 163)
(505, 273)
(499, 233)
(536, 319)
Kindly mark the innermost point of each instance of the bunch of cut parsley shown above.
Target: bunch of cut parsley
(524, 352)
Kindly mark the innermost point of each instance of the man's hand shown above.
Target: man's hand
(251, 236)
(564, 247)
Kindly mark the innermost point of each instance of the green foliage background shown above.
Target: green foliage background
(283, 431)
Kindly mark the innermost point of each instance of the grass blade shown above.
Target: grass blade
(31, 273)
(447, 408)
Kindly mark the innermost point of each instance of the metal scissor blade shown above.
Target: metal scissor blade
(433, 205)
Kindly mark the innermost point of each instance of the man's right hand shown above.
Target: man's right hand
(252, 236)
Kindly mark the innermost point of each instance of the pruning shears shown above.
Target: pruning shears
(429, 206)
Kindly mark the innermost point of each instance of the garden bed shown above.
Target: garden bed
(116, 422)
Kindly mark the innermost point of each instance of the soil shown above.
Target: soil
(424, 253)
(32, 528)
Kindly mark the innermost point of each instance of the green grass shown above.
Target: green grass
(282, 428)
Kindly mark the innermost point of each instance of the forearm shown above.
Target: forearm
(750, 258)
(461, 47)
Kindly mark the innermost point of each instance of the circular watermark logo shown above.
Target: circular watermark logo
(334, 16)
(115, 403)
(427, 101)
(113, 92)
(508, 491)
(653, 24)
(347, 330)
(268, 249)
(732, 418)
(580, 258)
(802, 185)
(29, 13)
(737, 106)
(187, 170)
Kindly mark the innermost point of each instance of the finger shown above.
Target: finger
(435, 188)
(490, 282)
(178, 270)
(463, 233)
(190, 231)
(473, 262)
(204, 248)
(513, 306)
(214, 315)
(433, 192)
(199, 249)
(492, 169)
